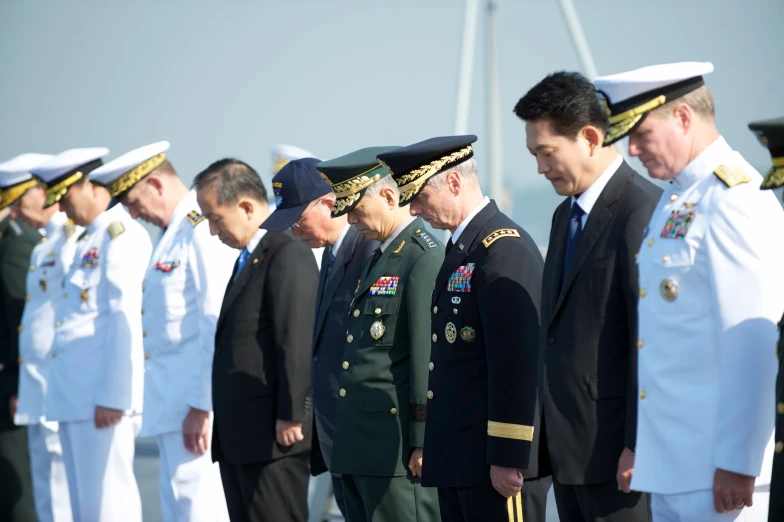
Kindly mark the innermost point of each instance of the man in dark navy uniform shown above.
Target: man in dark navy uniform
(481, 410)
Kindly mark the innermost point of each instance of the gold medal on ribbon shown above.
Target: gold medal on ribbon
(83, 295)
(450, 332)
(377, 330)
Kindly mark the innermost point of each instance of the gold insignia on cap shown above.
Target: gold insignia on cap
(621, 124)
(115, 229)
(669, 290)
(377, 330)
(56, 192)
(9, 195)
(450, 332)
(731, 175)
(409, 184)
(350, 191)
(133, 176)
(775, 176)
(498, 234)
(195, 218)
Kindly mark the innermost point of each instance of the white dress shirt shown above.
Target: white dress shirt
(591, 195)
(183, 292)
(97, 355)
(469, 217)
(336, 247)
(49, 262)
(708, 307)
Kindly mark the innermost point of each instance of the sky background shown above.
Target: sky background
(228, 78)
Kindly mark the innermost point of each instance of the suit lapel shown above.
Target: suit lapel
(236, 285)
(597, 221)
(345, 254)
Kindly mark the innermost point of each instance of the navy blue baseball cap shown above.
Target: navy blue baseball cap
(295, 186)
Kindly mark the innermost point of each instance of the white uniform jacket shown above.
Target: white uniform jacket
(49, 262)
(97, 356)
(183, 292)
(711, 293)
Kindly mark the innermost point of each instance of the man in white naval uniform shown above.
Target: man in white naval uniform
(49, 262)
(710, 296)
(183, 291)
(96, 367)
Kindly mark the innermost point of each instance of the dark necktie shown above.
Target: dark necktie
(376, 255)
(330, 262)
(575, 231)
(449, 245)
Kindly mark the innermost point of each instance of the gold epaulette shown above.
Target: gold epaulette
(731, 175)
(195, 218)
(498, 234)
(115, 229)
(510, 431)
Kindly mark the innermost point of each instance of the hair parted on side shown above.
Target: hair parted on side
(568, 100)
(232, 179)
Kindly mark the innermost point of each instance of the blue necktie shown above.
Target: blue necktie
(575, 231)
(330, 262)
(244, 255)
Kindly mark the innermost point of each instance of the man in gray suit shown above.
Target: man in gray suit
(305, 203)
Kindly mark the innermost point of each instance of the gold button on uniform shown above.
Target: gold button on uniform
(780, 408)
(650, 242)
(32, 267)
(356, 312)
(454, 311)
(435, 309)
(435, 338)
(429, 394)
(144, 289)
(144, 334)
(2, 366)
(665, 259)
(393, 411)
(20, 360)
(345, 365)
(431, 366)
(146, 356)
(58, 324)
(642, 394)
(674, 197)
(643, 293)
(65, 294)
(640, 343)
(142, 311)
(342, 392)
(378, 311)
(350, 338)
(779, 446)
(20, 328)
(54, 354)
(27, 298)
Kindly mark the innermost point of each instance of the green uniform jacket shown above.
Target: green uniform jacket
(383, 380)
(776, 512)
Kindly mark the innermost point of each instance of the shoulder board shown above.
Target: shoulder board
(195, 218)
(15, 228)
(115, 229)
(424, 239)
(498, 234)
(69, 228)
(731, 175)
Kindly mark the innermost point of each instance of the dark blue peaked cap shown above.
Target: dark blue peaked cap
(295, 186)
(412, 166)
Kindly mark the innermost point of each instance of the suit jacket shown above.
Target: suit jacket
(383, 378)
(17, 243)
(261, 368)
(483, 373)
(776, 511)
(329, 336)
(589, 333)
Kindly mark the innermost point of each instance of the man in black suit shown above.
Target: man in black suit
(305, 202)
(481, 408)
(589, 302)
(261, 368)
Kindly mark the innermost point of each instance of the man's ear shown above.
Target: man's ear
(391, 196)
(155, 183)
(247, 207)
(593, 137)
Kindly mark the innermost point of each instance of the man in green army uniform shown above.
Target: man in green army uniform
(771, 134)
(16, 244)
(380, 422)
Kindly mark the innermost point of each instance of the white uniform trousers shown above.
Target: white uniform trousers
(50, 484)
(697, 506)
(190, 485)
(99, 465)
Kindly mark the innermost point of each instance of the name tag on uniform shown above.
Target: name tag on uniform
(678, 224)
(385, 286)
(460, 280)
(90, 258)
(166, 266)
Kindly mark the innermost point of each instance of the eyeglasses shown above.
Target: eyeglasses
(302, 218)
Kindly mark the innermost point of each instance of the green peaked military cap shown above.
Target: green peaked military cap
(351, 175)
(771, 134)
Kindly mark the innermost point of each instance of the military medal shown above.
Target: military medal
(385, 286)
(83, 295)
(678, 224)
(468, 334)
(377, 330)
(450, 332)
(90, 258)
(669, 290)
(166, 266)
(460, 280)
(42, 284)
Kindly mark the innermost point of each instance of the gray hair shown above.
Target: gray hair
(232, 179)
(385, 182)
(467, 170)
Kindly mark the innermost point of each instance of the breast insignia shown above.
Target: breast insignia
(399, 248)
(731, 175)
(116, 229)
(498, 234)
(195, 218)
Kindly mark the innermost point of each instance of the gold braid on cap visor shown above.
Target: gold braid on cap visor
(9, 195)
(56, 192)
(775, 176)
(350, 191)
(412, 182)
(623, 123)
(132, 177)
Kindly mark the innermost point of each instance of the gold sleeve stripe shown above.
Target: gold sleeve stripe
(510, 431)
(514, 508)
